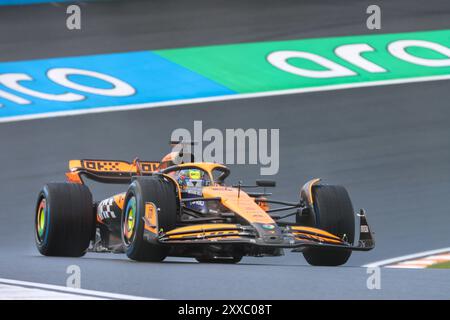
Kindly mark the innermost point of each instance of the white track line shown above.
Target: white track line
(406, 257)
(222, 98)
(9, 292)
(52, 289)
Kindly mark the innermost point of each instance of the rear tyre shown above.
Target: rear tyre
(333, 212)
(64, 220)
(162, 194)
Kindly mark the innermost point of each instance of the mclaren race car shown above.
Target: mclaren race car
(187, 210)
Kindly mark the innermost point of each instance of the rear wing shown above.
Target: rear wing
(109, 171)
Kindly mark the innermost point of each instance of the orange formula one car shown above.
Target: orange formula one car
(187, 210)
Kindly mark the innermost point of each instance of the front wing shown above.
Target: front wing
(289, 236)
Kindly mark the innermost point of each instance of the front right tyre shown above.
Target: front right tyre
(333, 212)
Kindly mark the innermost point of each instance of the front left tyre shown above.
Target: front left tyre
(160, 193)
(64, 220)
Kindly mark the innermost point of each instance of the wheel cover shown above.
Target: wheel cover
(41, 220)
(129, 222)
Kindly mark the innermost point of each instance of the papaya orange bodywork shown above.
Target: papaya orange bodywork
(119, 199)
(113, 166)
(74, 177)
(151, 223)
(259, 225)
(239, 202)
(263, 204)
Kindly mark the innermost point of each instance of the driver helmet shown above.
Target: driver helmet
(191, 178)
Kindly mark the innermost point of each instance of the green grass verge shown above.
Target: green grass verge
(443, 265)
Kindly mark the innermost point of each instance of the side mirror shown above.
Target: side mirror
(265, 183)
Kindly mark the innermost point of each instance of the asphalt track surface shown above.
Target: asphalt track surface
(390, 146)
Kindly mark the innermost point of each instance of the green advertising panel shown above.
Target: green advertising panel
(245, 68)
